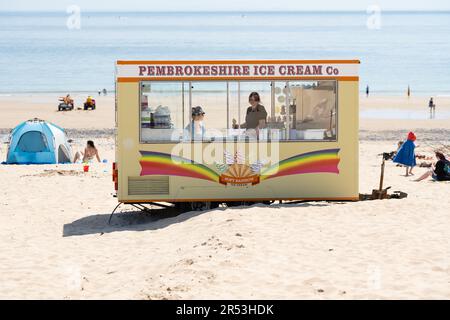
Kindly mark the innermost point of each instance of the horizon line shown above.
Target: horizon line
(247, 11)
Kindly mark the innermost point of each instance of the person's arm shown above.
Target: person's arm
(97, 155)
(235, 125)
(84, 154)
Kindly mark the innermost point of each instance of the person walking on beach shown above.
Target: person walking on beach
(408, 91)
(367, 91)
(406, 155)
(432, 107)
(105, 92)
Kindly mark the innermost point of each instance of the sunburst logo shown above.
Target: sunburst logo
(236, 171)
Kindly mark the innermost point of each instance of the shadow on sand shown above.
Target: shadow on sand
(159, 218)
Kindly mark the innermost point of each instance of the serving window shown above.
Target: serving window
(211, 97)
(162, 111)
(286, 111)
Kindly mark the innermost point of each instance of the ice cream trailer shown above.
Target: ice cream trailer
(202, 133)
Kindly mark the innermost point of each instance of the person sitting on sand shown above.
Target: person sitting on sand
(439, 171)
(406, 155)
(89, 153)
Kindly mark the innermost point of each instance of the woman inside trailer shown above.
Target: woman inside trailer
(196, 129)
(255, 118)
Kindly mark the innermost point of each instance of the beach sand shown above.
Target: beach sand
(55, 241)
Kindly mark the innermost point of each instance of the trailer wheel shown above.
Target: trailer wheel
(201, 206)
(215, 205)
(183, 206)
(239, 203)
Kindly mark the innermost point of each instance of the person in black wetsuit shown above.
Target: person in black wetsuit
(439, 171)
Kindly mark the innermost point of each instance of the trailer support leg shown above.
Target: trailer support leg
(110, 217)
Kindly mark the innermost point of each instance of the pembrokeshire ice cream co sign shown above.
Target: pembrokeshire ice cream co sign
(210, 70)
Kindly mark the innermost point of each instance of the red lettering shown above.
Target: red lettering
(188, 70)
(291, 71)
(197, 70)
(271, 70)
(142, 70)
(317, 70)
(263, 70)
(179, 70)
(307, 71)
(160, 71)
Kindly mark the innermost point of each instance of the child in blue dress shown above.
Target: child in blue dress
(405, 155)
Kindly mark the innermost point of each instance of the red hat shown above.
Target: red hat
(411, 136)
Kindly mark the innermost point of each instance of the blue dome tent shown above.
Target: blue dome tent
(38, 142)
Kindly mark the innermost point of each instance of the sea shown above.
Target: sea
(48, 52)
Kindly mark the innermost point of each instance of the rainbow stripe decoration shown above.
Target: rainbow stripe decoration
(321, 161)
(157, 163)
(311, 162)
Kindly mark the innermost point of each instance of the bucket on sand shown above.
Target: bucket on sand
(86, 168)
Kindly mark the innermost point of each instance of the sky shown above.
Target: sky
(228, 5)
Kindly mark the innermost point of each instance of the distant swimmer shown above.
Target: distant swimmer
(367, 91)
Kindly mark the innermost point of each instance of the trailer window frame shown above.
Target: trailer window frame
(184, 83)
